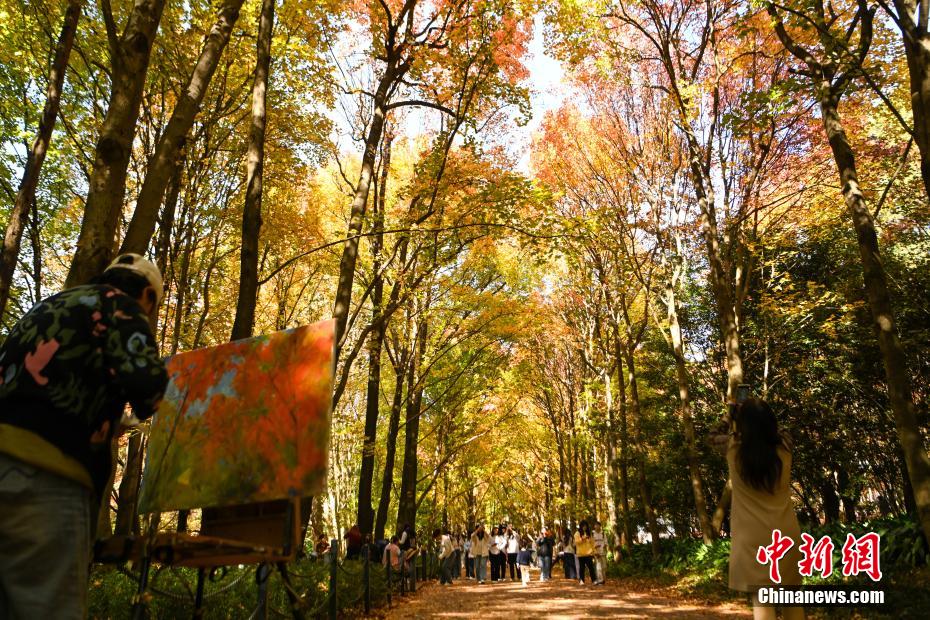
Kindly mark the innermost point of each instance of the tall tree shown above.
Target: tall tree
(130, 53)
(252, 211)
(407, 497)
(684, 61)
(830, 70)
(366, 515)
(433, 43)
(912, 18)
(35, 157)
(160, 167)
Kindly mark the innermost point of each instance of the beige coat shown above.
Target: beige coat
(753, 516)
(479, 546)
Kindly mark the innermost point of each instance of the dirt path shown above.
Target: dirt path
(557, 599)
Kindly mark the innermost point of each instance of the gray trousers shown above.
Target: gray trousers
(45, 546)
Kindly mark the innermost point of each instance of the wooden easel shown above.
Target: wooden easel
(265, 534)
(241, 524)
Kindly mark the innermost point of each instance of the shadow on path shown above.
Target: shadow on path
(559, 598)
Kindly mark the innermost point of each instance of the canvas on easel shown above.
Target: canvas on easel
(242, 422)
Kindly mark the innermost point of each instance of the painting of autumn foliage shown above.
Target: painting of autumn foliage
(242, 422)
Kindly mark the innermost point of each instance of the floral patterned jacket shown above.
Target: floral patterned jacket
(69, 367)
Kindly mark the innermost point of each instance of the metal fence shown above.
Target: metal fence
(348, 583)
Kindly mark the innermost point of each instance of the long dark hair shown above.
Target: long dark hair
(757, 456)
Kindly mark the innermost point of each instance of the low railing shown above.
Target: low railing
(310, 592)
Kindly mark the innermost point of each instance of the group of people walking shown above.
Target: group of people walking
(759, 463)
(501, 552)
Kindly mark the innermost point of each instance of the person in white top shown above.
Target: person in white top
(480, 545)
(513, 548)
(600, 554)
(445, 556)
(568, 555)
(499, 554)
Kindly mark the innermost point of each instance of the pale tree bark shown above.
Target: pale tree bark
(912, 18)
(612, 482)
(627, 538)
(161, 166)
(252, 211)
(644, 487)
(665, 37)
(25, 197)
(829, 82)
(687, 421)
(129, 59)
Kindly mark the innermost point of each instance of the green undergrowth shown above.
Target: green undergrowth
(699, 571)
(235, 593)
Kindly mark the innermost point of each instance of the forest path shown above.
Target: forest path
(555, 599)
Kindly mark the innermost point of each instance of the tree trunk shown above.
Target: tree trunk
(162, 164)
(876, 286)
(126, 519)
(104, 527)
(366, 514)
(252, 211)
(316, 515)
(612, 480)
(831, 501)
(719, 275)
(35, 238)
(26, 195)
(163, 247)
(687, 422)
(917, 51)
(720, 512)
(387, 480)
(627, 537)
(407, 501)
(848, 495)
(645, 491)
(129, 55)
(181, 299)
(359, 203)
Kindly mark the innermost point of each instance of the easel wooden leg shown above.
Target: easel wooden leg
(291, 596)
(261, 577)
(198, 601)
(138, 604)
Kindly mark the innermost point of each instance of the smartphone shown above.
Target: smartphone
(742, 392)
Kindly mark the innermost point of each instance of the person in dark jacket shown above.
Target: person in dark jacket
(524, 560)
(544, 547)
(354, 541)
(67, 370)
